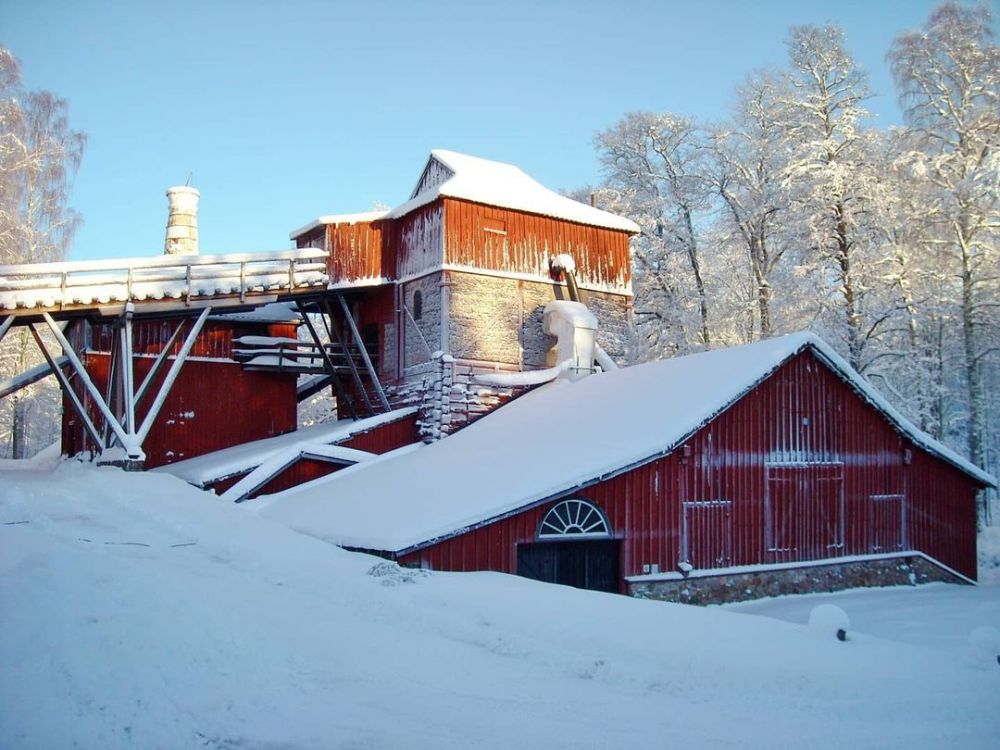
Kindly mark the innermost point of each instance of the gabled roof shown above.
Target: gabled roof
(208, 468)
(549, 442)
(492, 183)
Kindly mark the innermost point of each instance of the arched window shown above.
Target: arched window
(418, 304)
(574, 518)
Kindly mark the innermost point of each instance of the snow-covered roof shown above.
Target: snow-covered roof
(357, 218)
(549, 442)
(202, 471)
(274, 312)
(493, 183)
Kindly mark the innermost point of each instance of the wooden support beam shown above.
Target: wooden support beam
(364, 352)
(341, 394)
(132, 447)
(128, 370)
(67, 388)
(29, 377)
(5, 326)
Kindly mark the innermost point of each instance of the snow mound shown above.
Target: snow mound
(984, 646)
(391, 574)
(140, 612)
(829, 619)
(988, 545)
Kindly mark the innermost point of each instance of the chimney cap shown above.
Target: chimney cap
(183, 189)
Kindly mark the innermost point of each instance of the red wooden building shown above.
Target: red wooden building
(454, 281)
(760, 469)
(216, 402)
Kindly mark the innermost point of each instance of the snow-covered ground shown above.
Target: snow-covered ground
(138, 612)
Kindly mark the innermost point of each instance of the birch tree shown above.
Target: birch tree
(656, 163)
(750, 157)
(39, 154)
(948, 80)
(832, 185)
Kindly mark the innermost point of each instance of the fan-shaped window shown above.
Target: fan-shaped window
(574, 518)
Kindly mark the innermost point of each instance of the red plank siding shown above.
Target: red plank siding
(386, 437)
(515, 242)
(803, 424)
(196, 419)
(364, 250)
(381, 439)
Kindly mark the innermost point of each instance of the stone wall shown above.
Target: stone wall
(897, 571)
(495, 325)
(422, 337)
(499, 320)
(447, 395)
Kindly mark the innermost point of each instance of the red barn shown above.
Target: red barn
(761, 469)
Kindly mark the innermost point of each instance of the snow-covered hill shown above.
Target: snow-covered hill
(138, 612)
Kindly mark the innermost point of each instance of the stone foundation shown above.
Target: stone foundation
(447, 396)
(735, 587)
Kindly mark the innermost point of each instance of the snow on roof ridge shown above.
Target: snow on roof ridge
(493, 183)
(560, 436)
(355, 218)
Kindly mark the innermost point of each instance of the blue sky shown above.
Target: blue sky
(284, 111)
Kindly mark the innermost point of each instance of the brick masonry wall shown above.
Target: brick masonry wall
(898, 571)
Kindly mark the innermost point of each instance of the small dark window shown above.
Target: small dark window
(418, 304)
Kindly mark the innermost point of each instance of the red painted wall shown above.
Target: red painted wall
(742, 470)
(212, 405)
(381, 439)
(517, 242)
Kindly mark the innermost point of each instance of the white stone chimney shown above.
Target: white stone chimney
(182, 223)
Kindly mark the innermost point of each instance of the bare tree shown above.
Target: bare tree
(948, 80)
(39, 154)
(750, 159)
(657, 165)
(832, 184)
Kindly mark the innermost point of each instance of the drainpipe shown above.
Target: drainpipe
(564, 265)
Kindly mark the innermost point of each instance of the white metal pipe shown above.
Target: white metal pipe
(132, 448)
(172, 374)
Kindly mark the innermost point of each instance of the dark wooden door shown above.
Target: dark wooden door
(586, 564)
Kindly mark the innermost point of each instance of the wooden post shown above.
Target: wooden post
(341, 394)
(81, 411)
(364, 352)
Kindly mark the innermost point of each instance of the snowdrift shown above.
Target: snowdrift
(140, 612)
